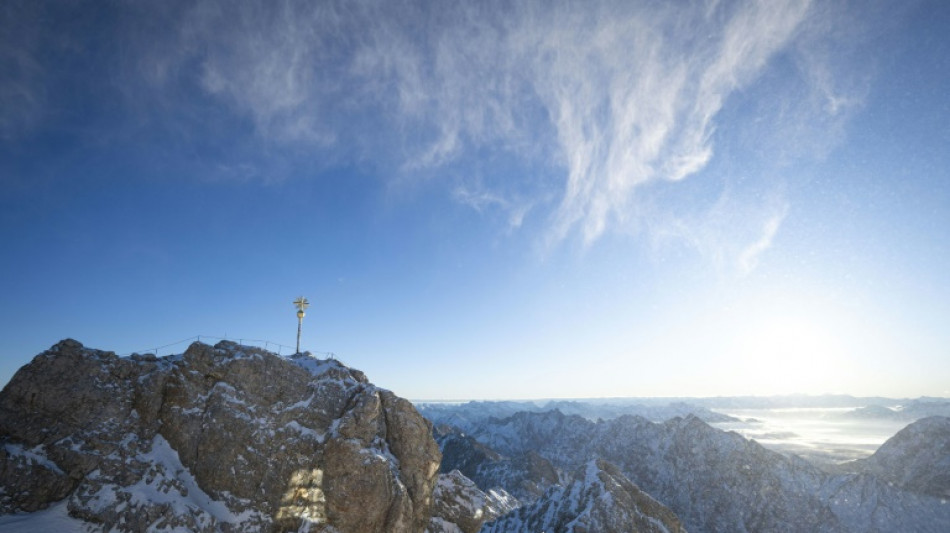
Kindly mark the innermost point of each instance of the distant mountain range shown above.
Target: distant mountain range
(714, 481)
(907, 411)
(708, 409)
(464, 415)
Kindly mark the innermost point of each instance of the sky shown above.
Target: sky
(488, 200)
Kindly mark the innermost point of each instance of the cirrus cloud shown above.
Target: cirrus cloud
(597, 99)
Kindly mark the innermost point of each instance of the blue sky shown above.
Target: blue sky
(492, 199)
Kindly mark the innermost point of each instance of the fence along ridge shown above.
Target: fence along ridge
(242, 341)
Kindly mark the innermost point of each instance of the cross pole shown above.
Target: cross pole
(301, 304)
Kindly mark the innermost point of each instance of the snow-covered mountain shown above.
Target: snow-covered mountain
(715, 480)
(598, 499)
(468, 415)
(917, 458)
(223, 438)
(460, 506)
(526, 475)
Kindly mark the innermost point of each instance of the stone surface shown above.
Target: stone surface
(222, 438)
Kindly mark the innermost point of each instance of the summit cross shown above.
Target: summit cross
(301, 304)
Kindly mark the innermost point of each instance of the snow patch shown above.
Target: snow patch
(161, 488)
(305, 431)
(34, 456)
(54, 518)
(316, 367)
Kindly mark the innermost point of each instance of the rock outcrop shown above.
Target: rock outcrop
(222, 438)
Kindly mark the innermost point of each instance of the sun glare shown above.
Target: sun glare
(787, 354)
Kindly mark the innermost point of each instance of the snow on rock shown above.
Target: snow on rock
(718, 481)
(35, 456)
(461, 506)
(53, 518)
(526, 475)
(917, 458)
(222, 438)
(599, 499)
(164, 483)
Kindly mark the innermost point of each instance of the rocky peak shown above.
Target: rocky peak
(599, 499)
(460, 506)
(916, 458)
(526, 475)
(223, 437)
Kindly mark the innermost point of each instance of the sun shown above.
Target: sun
(783, 350)
(788, 352)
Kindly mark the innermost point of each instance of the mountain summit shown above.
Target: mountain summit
(219, 438)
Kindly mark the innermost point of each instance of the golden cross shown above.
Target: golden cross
(301, 303)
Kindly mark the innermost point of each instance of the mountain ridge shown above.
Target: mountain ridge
(715, 480)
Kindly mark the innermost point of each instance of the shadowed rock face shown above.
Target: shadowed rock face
(600, 499)
(223, 438)
(525, 476)
(917, 458)
(460, 506)
(597, 497)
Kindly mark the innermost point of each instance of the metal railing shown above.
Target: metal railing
(259, 343)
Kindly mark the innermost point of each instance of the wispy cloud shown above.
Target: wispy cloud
(481, 199)
(633, 97)
(619, 94)
(22, 84)
(731, 231)
(601, 97)
(265, 60)
(749, 256)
